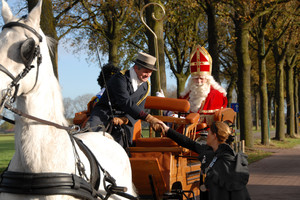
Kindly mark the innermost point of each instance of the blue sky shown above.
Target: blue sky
(76, 76)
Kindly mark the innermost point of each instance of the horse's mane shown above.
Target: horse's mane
(51, 42)
(50, 96)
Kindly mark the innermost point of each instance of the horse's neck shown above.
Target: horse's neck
(41, 147)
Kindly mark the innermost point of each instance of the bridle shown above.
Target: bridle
(31, 54)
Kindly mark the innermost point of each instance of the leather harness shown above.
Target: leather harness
(46, 184)
(54, 183)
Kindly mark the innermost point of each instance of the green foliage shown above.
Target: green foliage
(107, 25)
(6, 126)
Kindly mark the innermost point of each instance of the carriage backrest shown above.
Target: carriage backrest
(164, 103)
(188, 123)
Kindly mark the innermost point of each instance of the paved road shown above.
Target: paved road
(276, 177)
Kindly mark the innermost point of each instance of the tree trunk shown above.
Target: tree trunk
(213, 47)
(296, 102)
(270, 100)
(290, 118)
(298, 92)
(263, 90)
(274, 111)
(180, 85)
(230, 89)
(244, 86)
(113, 52)
(264, 103)
(280, 118)
(256, 112)
(48, 25)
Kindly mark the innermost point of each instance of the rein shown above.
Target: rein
(42, 121)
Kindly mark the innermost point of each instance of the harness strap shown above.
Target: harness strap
(22, 114)
(7, 120)
(95, 172)
(3, 69)
(112, 188)
(46, 184)
(11, 24)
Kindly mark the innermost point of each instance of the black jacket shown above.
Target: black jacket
(227, 178)
(124, 102)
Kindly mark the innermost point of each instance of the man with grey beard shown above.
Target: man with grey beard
(205, 95)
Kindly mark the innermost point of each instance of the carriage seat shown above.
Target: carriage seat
(188, 123)
(225, 115)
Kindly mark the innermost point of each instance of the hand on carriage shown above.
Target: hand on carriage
(120, 120)
(155, 123)
(165, 128)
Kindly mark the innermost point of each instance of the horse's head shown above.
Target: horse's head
(19, 52)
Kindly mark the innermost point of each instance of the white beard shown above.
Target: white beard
(198, 94)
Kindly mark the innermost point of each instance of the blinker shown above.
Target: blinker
(27, 51)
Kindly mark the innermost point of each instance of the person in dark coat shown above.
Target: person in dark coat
(226, 173)
(108, 70)
(122, 103)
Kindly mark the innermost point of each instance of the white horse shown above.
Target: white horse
(41, 148)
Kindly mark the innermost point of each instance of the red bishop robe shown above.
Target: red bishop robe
(214, 101)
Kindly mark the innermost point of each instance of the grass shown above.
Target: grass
(260, 151)
(7, 150)
(256, 154)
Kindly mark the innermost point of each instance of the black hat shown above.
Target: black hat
(146, 60)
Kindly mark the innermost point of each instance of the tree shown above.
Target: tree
(291, 61)
(280, 48)
(242, 23)
(296, 95)
(182, 32)
(48, 25)
(243, 13)
(68, 106)
(259, 32)
(209, 6)
(290, 64)
(6, 126)
(106, 25)
(78, 104)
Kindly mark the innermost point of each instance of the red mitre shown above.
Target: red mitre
(200, 61)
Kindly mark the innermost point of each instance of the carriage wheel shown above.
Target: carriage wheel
(176, 192)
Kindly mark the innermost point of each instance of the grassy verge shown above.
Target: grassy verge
(7, 150)
(260, 151)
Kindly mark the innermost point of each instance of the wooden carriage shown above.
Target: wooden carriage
(162, 169)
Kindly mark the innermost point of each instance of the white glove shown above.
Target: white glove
(160, 93)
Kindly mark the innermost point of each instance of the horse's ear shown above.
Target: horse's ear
(35, 14)
(27, 51)
(6, 12)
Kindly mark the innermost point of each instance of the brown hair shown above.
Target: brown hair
(222, 130)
